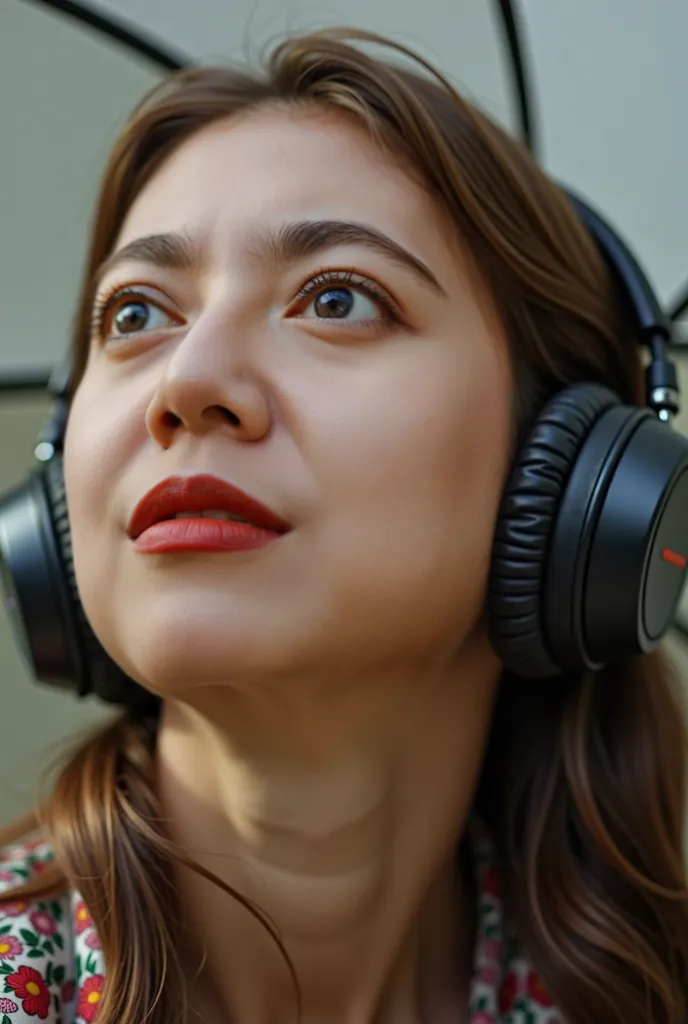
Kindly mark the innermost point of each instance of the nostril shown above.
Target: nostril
(230, 416)
(170, 419)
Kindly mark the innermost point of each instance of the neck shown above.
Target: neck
(338, 814)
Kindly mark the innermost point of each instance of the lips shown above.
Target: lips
(199, 494)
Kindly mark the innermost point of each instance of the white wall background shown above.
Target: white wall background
(611, 80)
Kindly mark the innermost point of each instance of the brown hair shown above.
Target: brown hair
(583, 784)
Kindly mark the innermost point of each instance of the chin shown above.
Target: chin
(171, 648)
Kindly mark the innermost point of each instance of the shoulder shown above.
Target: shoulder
(37, 942)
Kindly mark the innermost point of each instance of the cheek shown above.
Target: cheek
(426, 445)
(414, 485)
(88, 454)
(95, 454)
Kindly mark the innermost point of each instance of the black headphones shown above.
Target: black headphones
(590, 549)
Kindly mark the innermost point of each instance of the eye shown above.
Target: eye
(347, 298)
(128, 312)
(341, 303)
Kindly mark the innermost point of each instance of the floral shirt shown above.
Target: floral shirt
(52, 967)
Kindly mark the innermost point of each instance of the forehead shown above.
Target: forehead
(271, 166)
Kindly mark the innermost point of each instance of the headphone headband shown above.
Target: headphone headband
(662, 390)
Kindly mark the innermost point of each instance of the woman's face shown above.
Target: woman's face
(299, 324)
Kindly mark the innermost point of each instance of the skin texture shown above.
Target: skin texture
(327, 699)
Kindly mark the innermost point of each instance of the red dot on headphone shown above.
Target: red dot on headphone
(673, 558)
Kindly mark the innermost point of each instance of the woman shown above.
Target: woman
(327, 302)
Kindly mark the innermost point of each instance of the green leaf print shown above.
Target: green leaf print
(78, 966)
(35, 953)
(7, 969)
(56, 910)
(30, 938)
(48, 947)
(5, 1019)
(5, 929)
(91, 964)
(49, 973)
(58, 974)
(58, 940)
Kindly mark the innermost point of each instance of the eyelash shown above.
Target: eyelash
(105, 303)
(351, 277)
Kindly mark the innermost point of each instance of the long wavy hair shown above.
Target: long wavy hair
(583, 782)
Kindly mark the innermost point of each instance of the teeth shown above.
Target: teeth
(206, 513)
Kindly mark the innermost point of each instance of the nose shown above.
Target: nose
(206, 387)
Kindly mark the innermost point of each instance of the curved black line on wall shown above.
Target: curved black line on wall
(28, 381)
(122, 33)
(171, 60)
(521, 72)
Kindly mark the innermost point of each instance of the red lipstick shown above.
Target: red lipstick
(202, 513)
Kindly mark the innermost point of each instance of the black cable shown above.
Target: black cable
(522, 75)
(122, 33)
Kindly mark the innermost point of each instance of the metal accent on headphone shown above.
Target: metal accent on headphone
(655, 329)
(51, 436)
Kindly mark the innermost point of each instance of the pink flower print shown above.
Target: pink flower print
(491, 949)
(488, 974)
(8, 1006)
(9, 947)
(6, 876)
(42, 922)
(92, 940)
(482, 1018)
(15, 909)
(33, 844)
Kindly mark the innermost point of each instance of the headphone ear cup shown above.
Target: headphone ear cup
(35, 585)
(619, 550)
(42, 596)
(100, 675)
(525, 526)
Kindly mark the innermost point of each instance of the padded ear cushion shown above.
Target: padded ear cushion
(525, 525)
(100, 675)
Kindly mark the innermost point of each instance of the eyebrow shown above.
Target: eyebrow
(291, 242)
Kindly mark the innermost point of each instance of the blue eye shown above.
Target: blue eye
(340, 303)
